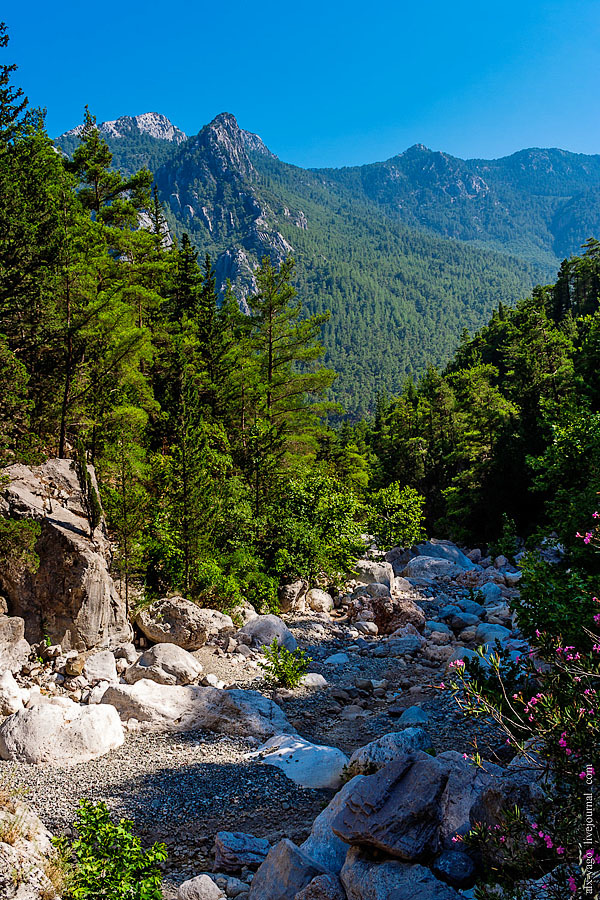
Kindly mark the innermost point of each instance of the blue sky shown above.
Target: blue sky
(324, 83)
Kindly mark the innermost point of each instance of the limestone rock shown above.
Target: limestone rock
(466, 784)
(200, 888)
(397, 810)
(265, 629)
(292, 597)
(389, 614)
(235, 850)
(87, 609)
(319, 601)
(14, 649)
(313, 680)
(307, 764)
(284, 873)
(368, 572)
(11, 695)
(322, 844)
(379, 753)
(437, 549)
(364, 879)
(430, 567)
(175, 620)
(100, 667)
(147, 706)
(165, 664)
(60, 732)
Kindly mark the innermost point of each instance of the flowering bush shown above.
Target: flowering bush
(549, 711)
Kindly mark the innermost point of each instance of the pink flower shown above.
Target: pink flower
(560, 850)
(530, 839)
(502, 839)
(572, 884)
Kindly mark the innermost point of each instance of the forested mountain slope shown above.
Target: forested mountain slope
(377, 245)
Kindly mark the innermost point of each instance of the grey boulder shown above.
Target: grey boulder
(397, 810)
(323, 887)
(14, 649)
(200, 888)
(445, 550)
(364, 879)
(387, 748)
(285, 872)
(322, 844)
(165, 664)
(235, 850)
(263, 630)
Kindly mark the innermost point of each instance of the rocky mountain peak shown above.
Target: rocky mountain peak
(226, 130)
(152, 123)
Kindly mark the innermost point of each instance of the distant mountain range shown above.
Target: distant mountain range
(405, 253)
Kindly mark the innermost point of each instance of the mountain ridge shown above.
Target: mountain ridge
(406, 253)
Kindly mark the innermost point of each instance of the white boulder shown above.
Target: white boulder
(165, 664)
(147, 706)
(263, 630)
(175, 620)
(307, 764)
(200, 888)
(60, 732)
(319, 601)
(11, 695)
(100, 666)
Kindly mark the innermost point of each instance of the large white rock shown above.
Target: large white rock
(147, 706)
(11, 695)
(60, 732)
(319, 601)
(307, 764)
(175, 620)
(200, 888)
(265, 629)
(165, 664)
(101, 666)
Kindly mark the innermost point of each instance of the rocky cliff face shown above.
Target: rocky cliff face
(211, 187)
(72, 598)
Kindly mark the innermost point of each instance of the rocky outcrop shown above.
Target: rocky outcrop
(25, 854)
(71, 598)
(285, 872)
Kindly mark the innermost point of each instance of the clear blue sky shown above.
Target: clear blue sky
(324, 83)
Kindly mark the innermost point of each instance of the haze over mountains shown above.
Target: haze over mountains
(405, 253)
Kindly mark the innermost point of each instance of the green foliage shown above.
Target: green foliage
(313, 530)
(507, 544)
(555, 599)
(284, 667)
(396, 516)
(17, 546)
(89, 495)
(107, 859)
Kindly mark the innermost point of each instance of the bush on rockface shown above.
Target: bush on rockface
(549, 714)
(107, 861)
(396, 517)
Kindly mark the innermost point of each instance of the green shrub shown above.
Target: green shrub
(507, 544)
(554, 599)
(284, 667)
(397, 518)
(108, 862)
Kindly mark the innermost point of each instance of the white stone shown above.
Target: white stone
(307, 764)
(11, 695)
(148, 706)
(101, 667)
(265, 629)
(319, 601)
(313, 680)
(338, 659)
(60, 732)
(200, 888)
(165, 664)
